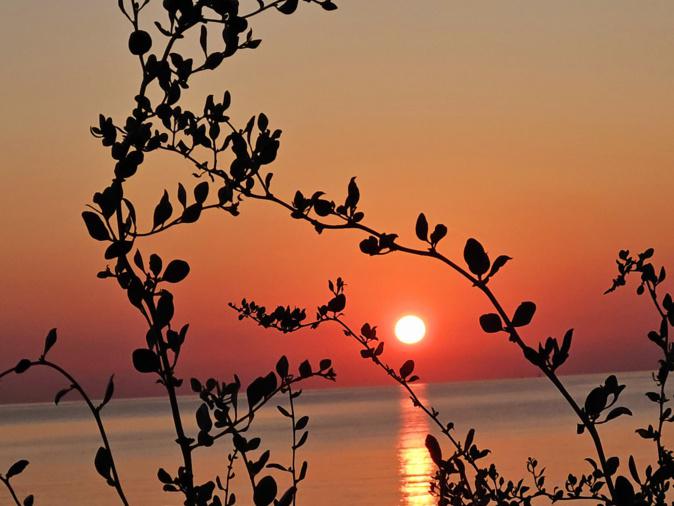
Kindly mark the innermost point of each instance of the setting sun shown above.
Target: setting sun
(410, 329)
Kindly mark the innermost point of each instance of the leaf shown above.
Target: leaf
(165, 309)
(338, 303)
(287, 498)
(406, 369)
(262, 122)
(302, 423)
(523, 314)
(103, 464)
(22, 366)
(201, 192)
(16, 468)
(303, 470)
(164, 476)
(95, 226)
(265, 491)
(145, 361)
(203, 39)
(353, 195)
(305, 369)
(61, 393)
(163, 211)
(328, 5)
(49, 341)
(303, 439)
(155, 264)
(434, 449)
(176, 271)
(498, 263)
(422, 227)
(203, 416)
(595, 401)
(282, 367)
(612, 464)
(438, 234)
(288, 7)
(476, 258)
(109, 391)
(624, 492)
(29, 500)
(491, 323)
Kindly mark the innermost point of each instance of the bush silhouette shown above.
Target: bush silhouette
(229, 163)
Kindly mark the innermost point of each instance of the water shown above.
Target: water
(366, 445)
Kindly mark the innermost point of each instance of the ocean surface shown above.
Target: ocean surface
(365, 447)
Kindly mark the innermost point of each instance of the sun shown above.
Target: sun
(410, 329)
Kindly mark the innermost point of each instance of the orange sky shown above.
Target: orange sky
(544, 130)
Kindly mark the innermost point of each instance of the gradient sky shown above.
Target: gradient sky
(543, 129)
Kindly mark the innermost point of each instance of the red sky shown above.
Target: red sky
(543, 130)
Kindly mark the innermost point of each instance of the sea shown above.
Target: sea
(365, 445)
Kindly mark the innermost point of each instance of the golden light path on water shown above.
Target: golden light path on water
(415, 466)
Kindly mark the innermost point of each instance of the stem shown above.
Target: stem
(11, 490)
(94, 411)
(294, 450)
(592, 430)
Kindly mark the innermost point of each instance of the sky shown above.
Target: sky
(542, 129)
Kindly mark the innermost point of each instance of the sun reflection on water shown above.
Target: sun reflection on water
(415, 466)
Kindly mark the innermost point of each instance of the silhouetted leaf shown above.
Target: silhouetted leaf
(595, 401)
(29, 500)
(109, 391)
(287, 498)
(265, 491)
(305, 369)
(282, 367)
(624, 492)
(22, 366)
(164, 309)
(438, 234)
(422, 227)
(49, 341)
(163, 476)
(303, 471)
(338, 303)
(201, 192)
(163, 211)
(407, 368)
(288, 7)
(103, 464)
(155, 264)
(523, 314)
(353, 195)
(491, 323)
(434, 449)
(16, 468)
(476, 258)
(61, 393)
(145, 361)
(140, 42)
(203, 416)
(95, 226)
(498, 263)
(176, 271)
(302, 423)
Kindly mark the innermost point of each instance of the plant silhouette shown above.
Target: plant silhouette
(230, 163)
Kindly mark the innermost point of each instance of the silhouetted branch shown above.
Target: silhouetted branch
(104, 458)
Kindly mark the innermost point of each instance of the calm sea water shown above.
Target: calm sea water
(366, 445)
